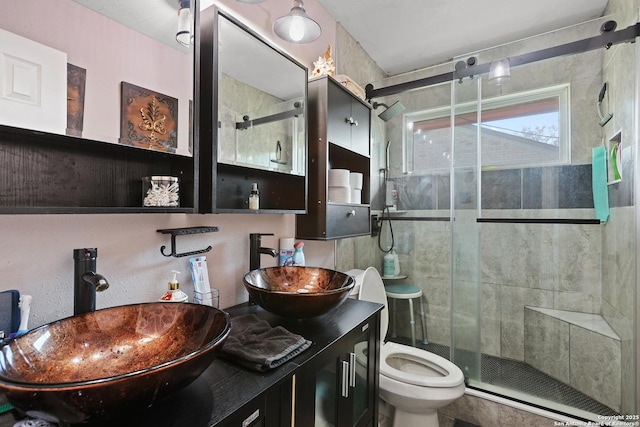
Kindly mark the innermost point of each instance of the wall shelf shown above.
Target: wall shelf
(43, 173)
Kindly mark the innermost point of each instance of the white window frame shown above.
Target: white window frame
(562, 92)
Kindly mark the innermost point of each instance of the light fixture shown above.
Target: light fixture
(296, 26)
(499, 71)
(184, 35)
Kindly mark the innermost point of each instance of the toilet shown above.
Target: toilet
(415, 382)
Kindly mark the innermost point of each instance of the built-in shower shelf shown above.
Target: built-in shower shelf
(591, 322)
(579, 349)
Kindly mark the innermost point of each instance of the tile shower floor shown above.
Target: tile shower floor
(519, 376)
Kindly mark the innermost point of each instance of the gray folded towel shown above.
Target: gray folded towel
(256, 345)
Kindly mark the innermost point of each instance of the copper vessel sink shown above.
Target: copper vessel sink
(99, 364)
(298, 292)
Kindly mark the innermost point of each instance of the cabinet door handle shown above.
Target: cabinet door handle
(345, 378)
(352, 369)
(352, 212)
(351, 121)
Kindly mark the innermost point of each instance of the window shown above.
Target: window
(517, 130)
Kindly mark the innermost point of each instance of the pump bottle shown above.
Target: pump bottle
(254, 197)
(174, 294)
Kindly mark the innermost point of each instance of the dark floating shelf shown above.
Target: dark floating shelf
(183, 231)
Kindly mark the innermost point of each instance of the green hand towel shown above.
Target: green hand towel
(599, 183)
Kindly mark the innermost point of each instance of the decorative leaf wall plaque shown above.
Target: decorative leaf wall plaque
(148, 119)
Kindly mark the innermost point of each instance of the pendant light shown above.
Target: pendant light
(499, 71)
(296, 26)
(184, 34)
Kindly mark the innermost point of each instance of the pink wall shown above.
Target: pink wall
(111, 53)
(36, 250)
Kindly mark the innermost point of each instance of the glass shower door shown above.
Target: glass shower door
(465, 230)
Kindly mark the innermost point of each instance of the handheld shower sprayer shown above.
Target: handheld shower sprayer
(603, 119)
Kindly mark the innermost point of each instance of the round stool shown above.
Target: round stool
(408, 292)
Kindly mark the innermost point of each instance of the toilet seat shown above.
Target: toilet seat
(419, 367)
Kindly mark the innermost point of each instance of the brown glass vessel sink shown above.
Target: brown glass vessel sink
(99, 364)
(298, 292)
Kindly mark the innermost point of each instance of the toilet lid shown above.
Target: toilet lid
(372, 290)
(419, 367)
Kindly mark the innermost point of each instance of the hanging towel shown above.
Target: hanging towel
(599, 183)
(254, 344)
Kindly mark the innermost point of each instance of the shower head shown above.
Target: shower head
(390, 112)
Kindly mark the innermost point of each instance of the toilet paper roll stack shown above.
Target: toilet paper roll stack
(339, 187)
(355, 182)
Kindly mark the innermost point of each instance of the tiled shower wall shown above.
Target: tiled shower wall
(577, 267)
(619, 246)
(589, 255)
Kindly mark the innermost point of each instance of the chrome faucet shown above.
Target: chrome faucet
(86, 282)
(255, 250)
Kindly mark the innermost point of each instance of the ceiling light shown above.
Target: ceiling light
(499, 71)
(184, 35)
(296, 26)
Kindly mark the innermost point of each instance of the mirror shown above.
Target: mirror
(103, 70)
(261, 105)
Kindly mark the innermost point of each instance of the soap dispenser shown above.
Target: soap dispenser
(174, 294)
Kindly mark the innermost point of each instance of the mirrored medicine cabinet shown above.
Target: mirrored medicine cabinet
(259, 108)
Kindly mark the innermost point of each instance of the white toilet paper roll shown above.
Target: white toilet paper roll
(356, 196)
(355, 180)
(340, 194)
(339, 178)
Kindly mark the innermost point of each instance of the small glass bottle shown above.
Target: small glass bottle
(254, 197)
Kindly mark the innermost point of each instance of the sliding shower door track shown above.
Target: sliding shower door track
(540, 221)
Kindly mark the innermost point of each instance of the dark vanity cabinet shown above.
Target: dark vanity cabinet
(342, 384)
(337, 386)
(339, 138)
(332, 383)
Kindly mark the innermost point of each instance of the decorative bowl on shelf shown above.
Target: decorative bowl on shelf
(100, 364)
(298, 292)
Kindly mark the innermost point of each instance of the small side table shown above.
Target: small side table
(407, 292)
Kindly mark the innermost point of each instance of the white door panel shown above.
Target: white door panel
(33, 80)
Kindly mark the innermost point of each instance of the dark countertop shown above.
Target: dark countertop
(225, 387)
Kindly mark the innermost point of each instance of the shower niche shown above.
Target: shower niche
(339, 138)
